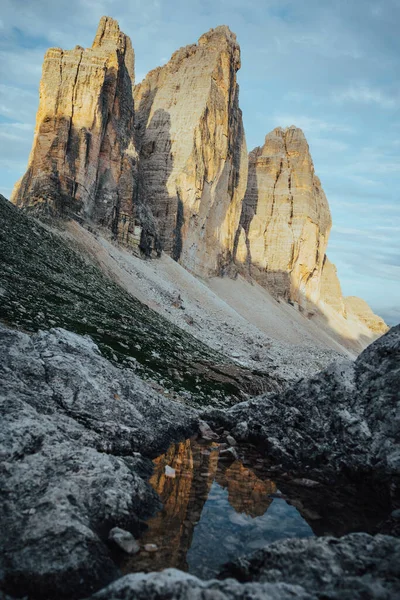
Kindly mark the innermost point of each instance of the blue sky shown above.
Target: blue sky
(331, 68)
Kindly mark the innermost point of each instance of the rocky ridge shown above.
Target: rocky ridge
(284, 229)
(169, 170)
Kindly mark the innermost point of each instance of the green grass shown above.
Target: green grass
(45, 283)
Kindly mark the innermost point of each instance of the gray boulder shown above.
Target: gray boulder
(346, 419)
(172, 584)
(356, 567)
(76, 434)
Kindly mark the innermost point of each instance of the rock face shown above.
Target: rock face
(285, 221)
(70, 425)
(343, 420)
(355, 567)
(193, 151)
(331, 291)
(83, 160)
(360, 309)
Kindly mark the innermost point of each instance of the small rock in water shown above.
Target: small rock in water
(151, 547)
(124, 540)
(231, 440)
(229, 453)
(169, 471)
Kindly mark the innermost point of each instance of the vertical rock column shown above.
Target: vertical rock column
(193, 156)
(285, 221)
(83, 160)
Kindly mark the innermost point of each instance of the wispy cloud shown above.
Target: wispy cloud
(311, 124)
(365, 94)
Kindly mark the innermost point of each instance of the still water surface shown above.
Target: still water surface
(214, 510)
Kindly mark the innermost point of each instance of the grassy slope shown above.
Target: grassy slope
(45, 283)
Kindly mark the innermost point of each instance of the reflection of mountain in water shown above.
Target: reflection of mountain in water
(209, 511)
(183, 497)
(246, 492)
(214, 511)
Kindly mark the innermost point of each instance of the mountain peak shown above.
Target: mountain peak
(108, 31)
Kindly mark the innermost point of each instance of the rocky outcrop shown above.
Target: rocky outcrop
(283, 235)
(344, 420)
(193, 151)
(285, 221)
(83, 160)
(331, 291)
(364, 313)
(74, 433)
(355, 567)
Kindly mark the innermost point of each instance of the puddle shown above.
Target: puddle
(214, 510)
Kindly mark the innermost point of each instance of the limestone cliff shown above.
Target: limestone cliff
(364, 313)
(331, 291)
(193, 157)
(83, 160)
(285, 221)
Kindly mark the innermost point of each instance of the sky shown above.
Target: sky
(329, 67)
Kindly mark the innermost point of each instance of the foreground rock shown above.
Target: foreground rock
(344, 420)
(74, 433)
(355, 567)
(193, 157)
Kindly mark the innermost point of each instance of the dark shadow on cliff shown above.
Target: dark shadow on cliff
(88, 173)
(249, 208)
(179, 231)
(156, 164)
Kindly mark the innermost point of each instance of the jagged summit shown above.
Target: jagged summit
(83, 161)
(164, 167)
(108, 32)
(219, 39)
(109, 35)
